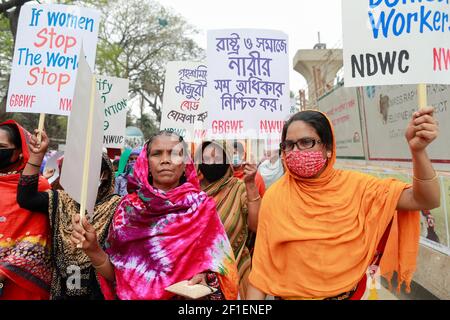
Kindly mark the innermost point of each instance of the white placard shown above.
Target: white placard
(52, 163)
(389, 42)
(184, 110)
(46, 56)
(114, 94)
(341, 106)
(388, 111)
(74, 157)
(248, 83)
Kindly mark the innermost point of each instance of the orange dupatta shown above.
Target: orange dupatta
(317, 237)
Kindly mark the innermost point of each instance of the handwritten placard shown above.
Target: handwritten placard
(46, 56)
(248, 76)
(396, 42)
(183, 108)
(114, 94)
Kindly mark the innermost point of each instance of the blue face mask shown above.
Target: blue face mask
(236, 160)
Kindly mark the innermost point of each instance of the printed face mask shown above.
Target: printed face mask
(305, 164)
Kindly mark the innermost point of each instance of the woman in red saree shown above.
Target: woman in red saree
(25, 267)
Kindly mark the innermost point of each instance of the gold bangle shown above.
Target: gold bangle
(426, 180)
(254, 200)
(102, 264)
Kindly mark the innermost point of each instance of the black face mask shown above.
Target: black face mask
(213, 172)
(5, 158)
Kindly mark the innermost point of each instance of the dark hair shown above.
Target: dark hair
(105, 165)
(13, 134)
(239, 147)
(316, 120)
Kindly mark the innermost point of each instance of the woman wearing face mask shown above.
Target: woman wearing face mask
(73, 275)
(237, 202)
(165, 232)
(25, 268)
(320, 228)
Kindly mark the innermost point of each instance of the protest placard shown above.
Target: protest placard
(248, 76)
(114, 94)
(396, 42)
(183, 109)
(52, 164)
(46, 56)
(82, 158)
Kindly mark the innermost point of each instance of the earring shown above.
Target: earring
(329, 154)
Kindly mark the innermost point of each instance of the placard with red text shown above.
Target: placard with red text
(46, 56)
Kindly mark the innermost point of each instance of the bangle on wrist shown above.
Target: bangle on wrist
(34, 165)
(256, 199)
(102, 264)
(426, 180)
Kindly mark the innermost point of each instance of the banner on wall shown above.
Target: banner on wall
(341, 107)
(388, 111)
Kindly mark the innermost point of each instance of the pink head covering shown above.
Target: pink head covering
(157, 239)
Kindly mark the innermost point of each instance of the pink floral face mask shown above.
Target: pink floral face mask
(305, 164)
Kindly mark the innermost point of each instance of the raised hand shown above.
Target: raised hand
(36, 147)
(422, 130)
(250, 170)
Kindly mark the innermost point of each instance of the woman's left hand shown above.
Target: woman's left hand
(36, 147)
(422, 130)
(48, 173)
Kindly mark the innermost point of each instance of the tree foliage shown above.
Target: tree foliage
(136, 40)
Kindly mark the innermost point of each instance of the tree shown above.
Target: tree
(137, 41)
(11, 10)
(6, 50)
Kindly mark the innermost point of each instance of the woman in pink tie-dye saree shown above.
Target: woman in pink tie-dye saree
(166, 231)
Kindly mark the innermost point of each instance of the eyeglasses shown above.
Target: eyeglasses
(302, 144)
